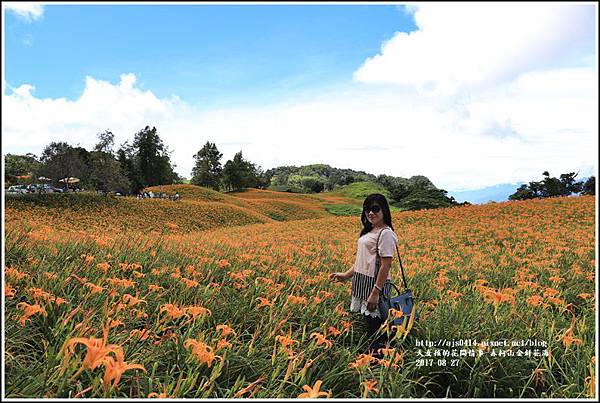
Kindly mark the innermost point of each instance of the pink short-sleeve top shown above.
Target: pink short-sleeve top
(366, 256)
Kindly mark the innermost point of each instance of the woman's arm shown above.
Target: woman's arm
(386, 263)
(342, 276)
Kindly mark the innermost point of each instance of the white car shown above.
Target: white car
(17, 189)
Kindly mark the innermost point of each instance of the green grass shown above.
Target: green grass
(360, 190)
(343, 209)
(275, 216)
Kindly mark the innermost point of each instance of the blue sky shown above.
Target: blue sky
(205, 54)
(471, 95)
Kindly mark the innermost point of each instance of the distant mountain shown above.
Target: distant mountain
(495, 193)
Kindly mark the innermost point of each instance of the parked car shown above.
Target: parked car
(17, 189)
(39, 187)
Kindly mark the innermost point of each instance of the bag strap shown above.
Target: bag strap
(399, 260)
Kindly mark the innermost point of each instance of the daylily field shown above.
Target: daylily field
(229, 296)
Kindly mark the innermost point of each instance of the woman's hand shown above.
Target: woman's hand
(373, 300)
(338, 277)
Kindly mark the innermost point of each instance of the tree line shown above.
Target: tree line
(565, 185)
(146, 161)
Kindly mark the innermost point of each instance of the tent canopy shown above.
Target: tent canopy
(69, 180)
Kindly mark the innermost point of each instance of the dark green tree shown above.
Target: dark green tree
(19, 165)
(152, 159)
(59, 160)
(426, 198)
(232, 176)
(207, 170)
(569, 184)
(549, 187)
(126, 156)
(399, 188)
(106, 172)
(263, 179)
(524, 192)
(589, 187)
(239, 173)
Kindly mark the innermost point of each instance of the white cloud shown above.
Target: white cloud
(122, 108)
(461, 46)
(480, 95)
(542, 121)
(26, 10)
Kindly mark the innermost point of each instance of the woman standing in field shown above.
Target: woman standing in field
(377, 230)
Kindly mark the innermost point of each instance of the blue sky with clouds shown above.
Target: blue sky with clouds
(204, 54)
(468, 94)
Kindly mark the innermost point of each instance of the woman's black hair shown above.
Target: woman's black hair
(385, 208)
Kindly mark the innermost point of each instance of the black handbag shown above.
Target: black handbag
(403, 302)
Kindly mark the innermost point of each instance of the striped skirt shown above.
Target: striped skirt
(362, 285)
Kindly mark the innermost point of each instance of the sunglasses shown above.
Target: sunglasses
(374, 208)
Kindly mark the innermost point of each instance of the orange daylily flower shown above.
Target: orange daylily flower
(536, 300)
(162, 395)
(362, 361)
(538, 377)
(203, 352)
(130, 300)
(9, 291)
(123, 282)
(38, 293)
(173, 311)
(297, 300)
(454, 295)
(334, 331)
(264, 302)
(103, 266)
(59, 301)
(97, 350)
(250, 388)
(29, 311)
(225, 330)
(340, 311)
(189, 283)
(15, 273)
(115, 367)
(94, 288)
(556, 279)
(346, 325)
(195, 311)
(223, 263)
(368, 386)
(568, 339)
(112, 323)
(286, 342)
(314, 392)
(223, 343)
(154, 287)
(321, 340)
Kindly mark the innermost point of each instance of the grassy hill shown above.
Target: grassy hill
(348, 199)
(198, 209)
